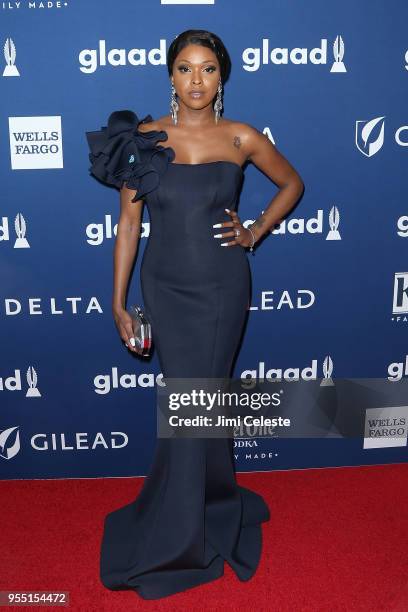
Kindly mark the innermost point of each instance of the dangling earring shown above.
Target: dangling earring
(173, 105)
(218, 102)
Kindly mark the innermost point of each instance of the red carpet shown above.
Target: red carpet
(337, 541)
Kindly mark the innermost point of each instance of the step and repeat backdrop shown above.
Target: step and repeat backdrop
(327, 83)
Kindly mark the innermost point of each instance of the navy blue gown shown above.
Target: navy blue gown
(191, 514)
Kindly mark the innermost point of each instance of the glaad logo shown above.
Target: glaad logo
(396, 371)
(96, 233)
(290, 374)
(10, 57)
(104, 383)
(13, 383)
(312, 225)
(254, 56)
(386, 427)
(400, 297)
(90, 59)
(20, 228)
(9, 442)
(35, 142)
(368, 142)
(402, 225)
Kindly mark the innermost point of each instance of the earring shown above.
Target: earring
(173, 104)
(218, 102)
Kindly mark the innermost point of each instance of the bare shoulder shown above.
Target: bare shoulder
(161, 123)
(247, 137)
(263, 153)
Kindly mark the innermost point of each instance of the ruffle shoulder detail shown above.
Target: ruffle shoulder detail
(120, 153)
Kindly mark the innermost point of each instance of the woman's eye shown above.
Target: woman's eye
(208, 68)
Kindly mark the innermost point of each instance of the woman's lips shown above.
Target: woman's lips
(196, 94)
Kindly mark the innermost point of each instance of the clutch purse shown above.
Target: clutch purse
(142, 330)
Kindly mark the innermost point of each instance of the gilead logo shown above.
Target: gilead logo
(78, 441)
(369, 135)
(10, 441)
(299, 299)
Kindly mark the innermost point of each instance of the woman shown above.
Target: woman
(191, 514)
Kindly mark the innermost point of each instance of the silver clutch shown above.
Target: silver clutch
(142, 330)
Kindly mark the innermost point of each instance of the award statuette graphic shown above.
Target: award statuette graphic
(20, 227)
(334, 221)
(32, 390)
(338, 52)
(327, 381)
(10, 57)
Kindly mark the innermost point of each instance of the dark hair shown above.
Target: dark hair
(205, 39)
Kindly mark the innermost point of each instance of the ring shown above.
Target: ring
(237, 232)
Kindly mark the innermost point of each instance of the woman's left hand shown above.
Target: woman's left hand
(244, 237)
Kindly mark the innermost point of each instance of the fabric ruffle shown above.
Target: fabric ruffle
(120, 154)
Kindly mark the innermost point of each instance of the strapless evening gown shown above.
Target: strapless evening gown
(191, 514)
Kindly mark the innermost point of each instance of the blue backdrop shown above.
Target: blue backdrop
(327, 82)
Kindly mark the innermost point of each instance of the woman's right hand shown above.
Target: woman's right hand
(123, 322)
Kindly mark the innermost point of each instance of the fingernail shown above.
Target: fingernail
(224, 243)
(132, 342)
(217, 225)
(217, 235)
